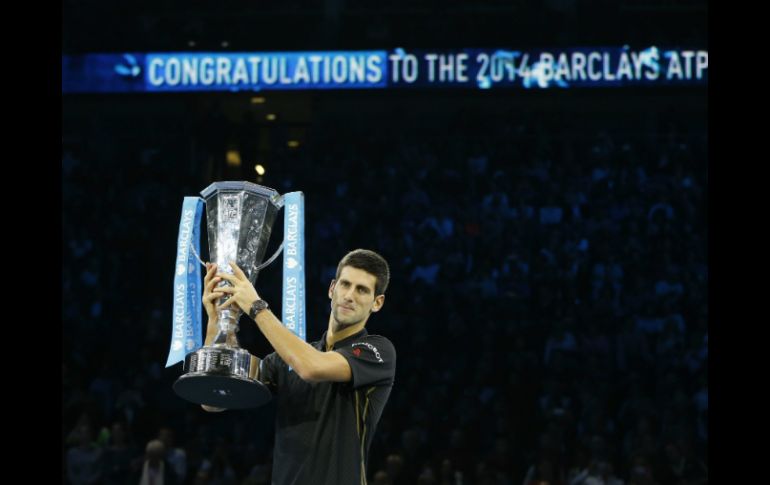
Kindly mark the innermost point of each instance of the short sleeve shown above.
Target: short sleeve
(269, 371)
(372, 361)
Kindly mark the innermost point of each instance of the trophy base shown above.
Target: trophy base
(222, 391)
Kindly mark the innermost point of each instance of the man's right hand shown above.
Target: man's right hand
(209, 294)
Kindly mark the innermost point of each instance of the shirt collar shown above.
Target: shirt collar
(321, 344)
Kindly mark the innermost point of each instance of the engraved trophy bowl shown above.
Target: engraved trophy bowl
(239, 219)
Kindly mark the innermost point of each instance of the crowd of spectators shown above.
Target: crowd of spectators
(548, 297)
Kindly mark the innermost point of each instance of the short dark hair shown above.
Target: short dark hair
(372, 263)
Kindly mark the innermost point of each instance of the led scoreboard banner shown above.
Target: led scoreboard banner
(397, 68)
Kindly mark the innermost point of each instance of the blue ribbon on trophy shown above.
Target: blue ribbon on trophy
(293, 302)
(186, 334)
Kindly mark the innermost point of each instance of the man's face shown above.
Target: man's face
(353, 297)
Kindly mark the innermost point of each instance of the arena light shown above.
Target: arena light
(233, 158)
(260, 169)
(293, 143)
(270, 117)
(258, 100)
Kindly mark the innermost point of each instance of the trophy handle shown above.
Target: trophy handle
(259, 268)
(272, 258)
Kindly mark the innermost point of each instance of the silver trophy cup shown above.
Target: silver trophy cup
(239, 218)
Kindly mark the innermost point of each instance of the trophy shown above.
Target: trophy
(239, 219)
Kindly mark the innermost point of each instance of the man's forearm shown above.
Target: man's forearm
(297, 353)
(211, 332)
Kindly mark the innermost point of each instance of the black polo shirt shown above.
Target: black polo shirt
(324, 429)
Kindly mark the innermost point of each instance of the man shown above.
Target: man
(155, 469)
(176, 457)
(84, 461)
(330, 393)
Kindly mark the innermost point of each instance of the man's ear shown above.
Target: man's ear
(379, 300)
(331, 288)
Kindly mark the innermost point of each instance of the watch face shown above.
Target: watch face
(258, 306)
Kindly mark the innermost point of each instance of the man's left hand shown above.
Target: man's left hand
(242, 293)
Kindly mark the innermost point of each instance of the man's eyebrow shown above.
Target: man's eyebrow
(343, 280)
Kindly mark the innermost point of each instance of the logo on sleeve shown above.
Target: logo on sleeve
(357, 351)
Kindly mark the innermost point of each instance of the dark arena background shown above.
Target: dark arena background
(534, 172)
